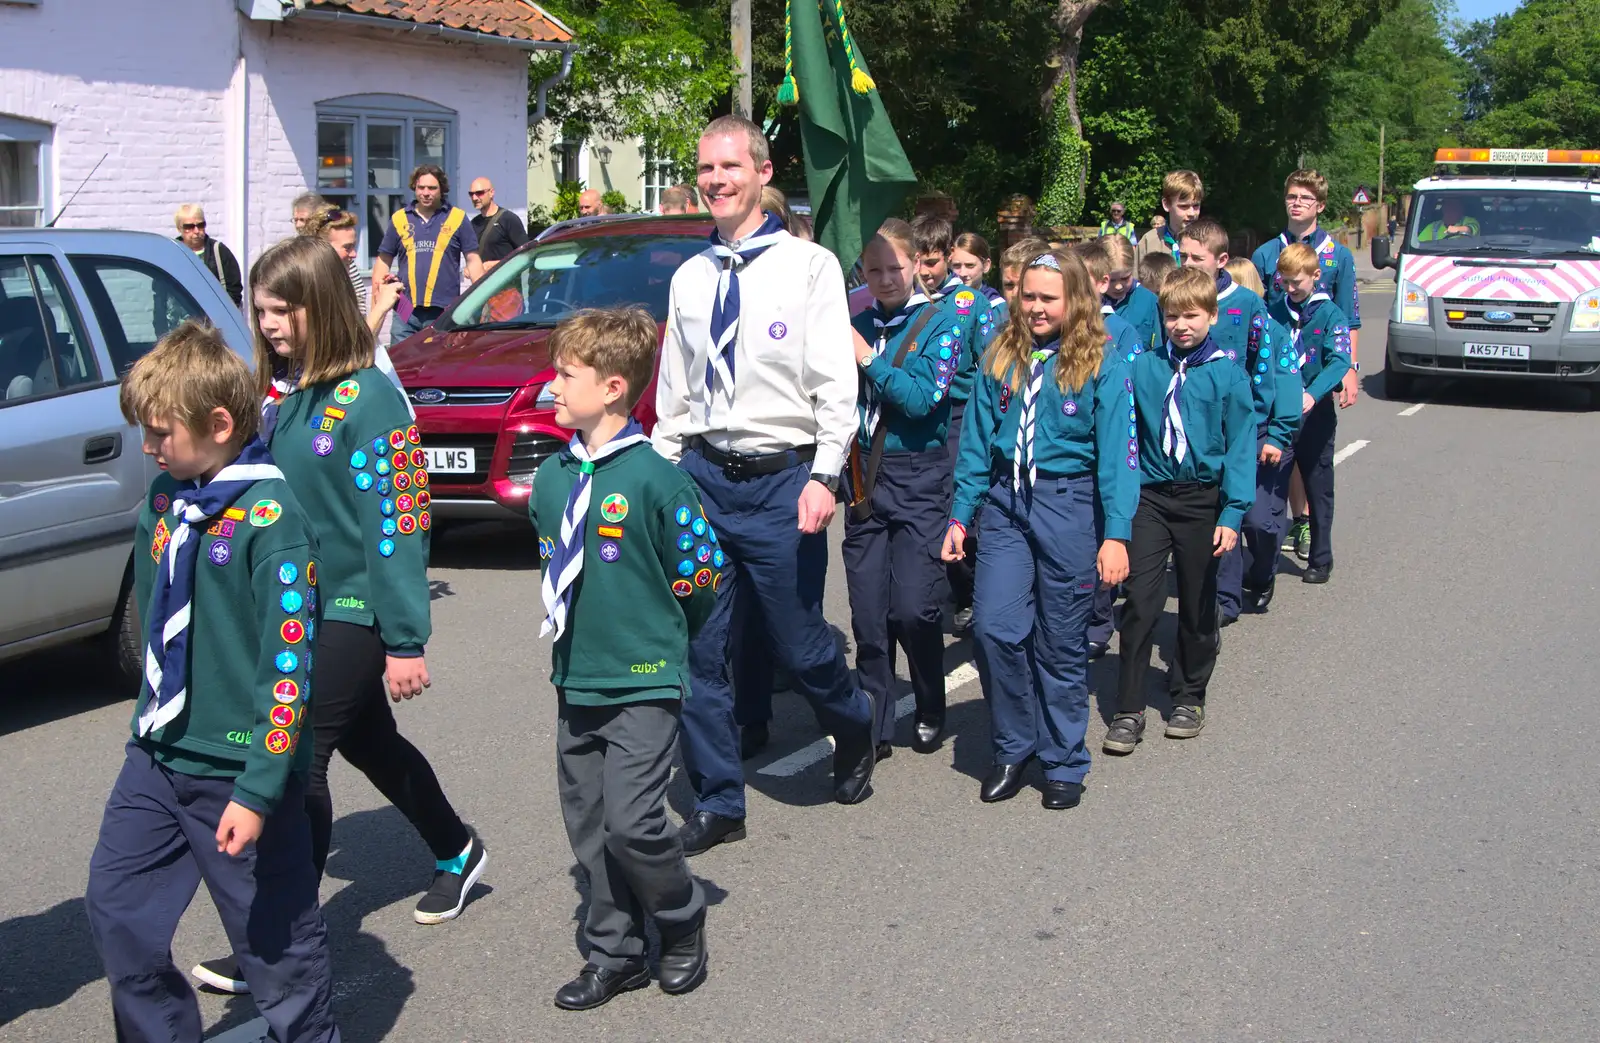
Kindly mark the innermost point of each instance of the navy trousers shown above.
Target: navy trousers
(1035, 584)
(1101, 616)
(1314, 456)
(897, 583)
(157, 843)
(959, 573)
(1265, 525)
(756, 521)
(1231, 568)
(751, 663)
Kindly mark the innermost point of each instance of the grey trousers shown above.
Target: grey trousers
(612, 767)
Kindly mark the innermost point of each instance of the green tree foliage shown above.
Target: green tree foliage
(1237, 90)
(1535, 76)
(647, 68)
(1405, 78)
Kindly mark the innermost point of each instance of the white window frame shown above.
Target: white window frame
(13, 128)
(361, 110)
(659, 175)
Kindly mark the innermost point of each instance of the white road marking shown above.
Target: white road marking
(1348, 451)
(806, 756)
(1413, 410)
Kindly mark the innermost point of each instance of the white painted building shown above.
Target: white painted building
(241, 105)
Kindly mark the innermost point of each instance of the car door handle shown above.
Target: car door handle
(102, 448)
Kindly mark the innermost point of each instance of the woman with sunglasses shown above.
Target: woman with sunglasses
(218, 259)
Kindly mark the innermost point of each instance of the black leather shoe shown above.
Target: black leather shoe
(1098, 649)
(594, 986)
(1003, 782)
(929, 734)
(753, 738)
(1059, 796)
(705, 831)
(854, 757)
(1226, 619)
(884, 751)
(683, 962)
(1317, 574)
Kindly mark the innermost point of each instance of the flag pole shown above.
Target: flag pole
(739, 25)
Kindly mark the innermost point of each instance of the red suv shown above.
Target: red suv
(477, 376)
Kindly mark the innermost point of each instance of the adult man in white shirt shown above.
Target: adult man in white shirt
(756, 400)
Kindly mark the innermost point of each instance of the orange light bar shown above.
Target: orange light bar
(1526, 156)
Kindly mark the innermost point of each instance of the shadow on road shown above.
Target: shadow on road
(1513, 393)
(58, 683)
(485, 545)
(45, 958)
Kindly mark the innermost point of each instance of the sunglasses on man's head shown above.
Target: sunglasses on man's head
(193, 226)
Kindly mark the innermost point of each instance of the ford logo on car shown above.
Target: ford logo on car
(433, 396)
(1499, 316)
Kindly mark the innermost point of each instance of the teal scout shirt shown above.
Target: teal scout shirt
(976, 324)
(1090, 431)
(1323, 348)
(1141, 309)
(1218, 421)
(913, 401)
(252, 625)
(1336, 270)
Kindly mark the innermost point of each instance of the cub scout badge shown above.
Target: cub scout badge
(347, 392)
(614, 508)
(159, 542)
(161, 503)
(277, 741)
(265, 512)
(964, 301)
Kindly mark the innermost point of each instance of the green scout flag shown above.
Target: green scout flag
(856, 172)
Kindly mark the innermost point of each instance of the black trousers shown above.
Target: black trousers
(1176, 518)
(1313, 455)
(351, 714)
(959, 573)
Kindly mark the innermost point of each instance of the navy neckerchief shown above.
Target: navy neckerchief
(1314, 238)
(567, 562)
(996, 298)
(1024, 468)
(166, 651)
(886, 323)
(725, 307)
(1224, 283)
(1174, 440)
(1298, 317)
(952, 282)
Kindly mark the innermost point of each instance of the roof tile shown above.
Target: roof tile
(513, 19)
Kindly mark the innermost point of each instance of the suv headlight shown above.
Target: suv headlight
(1413, 303)
(546, 398)
(1586, 313)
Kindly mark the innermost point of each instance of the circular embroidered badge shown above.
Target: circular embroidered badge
(400, 460)
(1070, 408)
(397, 439)
(265, 512)
(161, 503)
(682, 517)
(423, 499)
(388, 528)
(614, 508)
(282, 716)
(287, 573)
(382, 466)
(347, 392)
(419, 458)
(292, 631)
(423, 521)
(286, 662)
(420, 479)
(413, 435)
(322, 445)
(702, 578)
(408, 525)
(698, 527)
(609, 551)
(777, 331)
(286, 691)
(402, 481)
(682, 588)
(703, 554)
(387, 507)
(311, 573)
(403, 502)
(363, 481)
(386, 547)
(291, 601)
(277, 741)
(219, 552)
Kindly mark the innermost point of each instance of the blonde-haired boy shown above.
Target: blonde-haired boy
(1182, 192)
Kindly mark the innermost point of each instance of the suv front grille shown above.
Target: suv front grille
(1529, 316)
(527, 453)
(461, 396)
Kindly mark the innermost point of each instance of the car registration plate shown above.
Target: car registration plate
(1496, 351)
(451, 461)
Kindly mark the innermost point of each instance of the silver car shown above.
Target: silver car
(77, 308)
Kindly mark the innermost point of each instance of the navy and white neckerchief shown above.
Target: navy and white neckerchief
(166, 650)
(996, 298)
(567, 562)
(1225, 283)
(1024, 466)
(952, 283)
(1314, 239)
(280, 388)
(725, 308)
(1174, 442)
(1106, 306)
(886, 327)
(1298, 317)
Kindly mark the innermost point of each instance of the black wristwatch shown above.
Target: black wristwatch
(830, 480)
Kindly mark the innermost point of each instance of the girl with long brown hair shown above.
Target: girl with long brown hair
(340, 432)
(1047, 466)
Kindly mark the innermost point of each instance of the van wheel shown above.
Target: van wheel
(1594, 395)
(125, 640)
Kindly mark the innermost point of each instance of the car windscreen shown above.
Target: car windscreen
(543, 285)
(1505, 222)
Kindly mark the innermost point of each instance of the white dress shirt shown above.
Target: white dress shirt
(795, 381)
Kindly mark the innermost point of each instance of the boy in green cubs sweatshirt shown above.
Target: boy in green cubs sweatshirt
(213, 786)
(631, 570)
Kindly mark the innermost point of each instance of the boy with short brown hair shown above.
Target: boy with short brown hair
(622, 535)
(227, 593)
(1182, 192)
(1014, 260)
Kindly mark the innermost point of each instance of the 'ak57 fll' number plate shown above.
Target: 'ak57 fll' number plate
(1496, 351)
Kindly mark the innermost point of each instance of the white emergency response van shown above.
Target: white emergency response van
(1499, 273)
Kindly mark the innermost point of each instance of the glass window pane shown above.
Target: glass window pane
(383, 156)
(379, 209)
(75, 363)
(136, 304)
(19, 184)
(25, 367)
(428, 145)
(336, 152)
